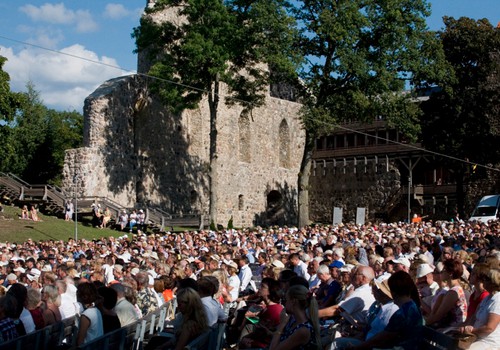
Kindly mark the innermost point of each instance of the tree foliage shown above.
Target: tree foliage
(463, 119)
(361, 55)
(209, 42)
(33, 138)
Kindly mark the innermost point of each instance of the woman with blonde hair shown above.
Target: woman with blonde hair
(299, 327)
(192, 322)
(52, 301)
(222, 294)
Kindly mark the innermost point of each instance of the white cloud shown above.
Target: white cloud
(50, 13)
(116, 11)
(85, 23)
(63, 81)
(43, 36)
(59, 14)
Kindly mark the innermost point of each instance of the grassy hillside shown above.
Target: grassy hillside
(13, 229)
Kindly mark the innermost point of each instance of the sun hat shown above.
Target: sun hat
(424, 270)
(384, 287)
(403, 261)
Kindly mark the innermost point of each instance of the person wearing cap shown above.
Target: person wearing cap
(401, 264)
(426, 285)
(233, 279)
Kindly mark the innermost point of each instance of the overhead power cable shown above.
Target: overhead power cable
(189, 87)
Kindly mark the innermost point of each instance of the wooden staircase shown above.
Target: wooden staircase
(51, 200)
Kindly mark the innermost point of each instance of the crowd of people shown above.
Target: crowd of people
(316, 287)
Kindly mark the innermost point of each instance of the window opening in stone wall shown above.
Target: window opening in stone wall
(244, 138)
(241, 202)
(284, 144)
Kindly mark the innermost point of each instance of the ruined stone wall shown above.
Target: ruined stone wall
(137, 152)
(107, 164)
(351, 187)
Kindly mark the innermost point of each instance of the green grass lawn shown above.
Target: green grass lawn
(13, 229)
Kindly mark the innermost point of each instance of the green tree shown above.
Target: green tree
(362, 54)
(217, 42)
(9, 103)
(35, 138)
(29, 131)
(64, 131)
(462, 120)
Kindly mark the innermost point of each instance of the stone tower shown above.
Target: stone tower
(136, 153)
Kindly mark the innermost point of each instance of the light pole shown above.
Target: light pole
(409, 197)
(75, 180)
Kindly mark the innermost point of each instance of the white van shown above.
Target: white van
(487, 209)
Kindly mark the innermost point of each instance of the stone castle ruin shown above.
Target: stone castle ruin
(137, 153)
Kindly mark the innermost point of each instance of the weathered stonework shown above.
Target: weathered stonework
(351, 187)
(135, 151)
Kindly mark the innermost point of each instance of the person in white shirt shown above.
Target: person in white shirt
(125, 311)
(314, 280)
(233, 280)
(357, 303)
(67, 307)
(299, 267)
(383, 309)
(245, 275)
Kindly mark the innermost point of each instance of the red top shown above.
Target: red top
(474, 302)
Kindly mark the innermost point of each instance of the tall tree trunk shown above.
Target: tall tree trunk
(303, 181)
(213, 101)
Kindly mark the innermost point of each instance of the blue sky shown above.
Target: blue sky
(99, 30)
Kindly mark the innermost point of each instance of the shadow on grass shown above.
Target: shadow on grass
(41, 232)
